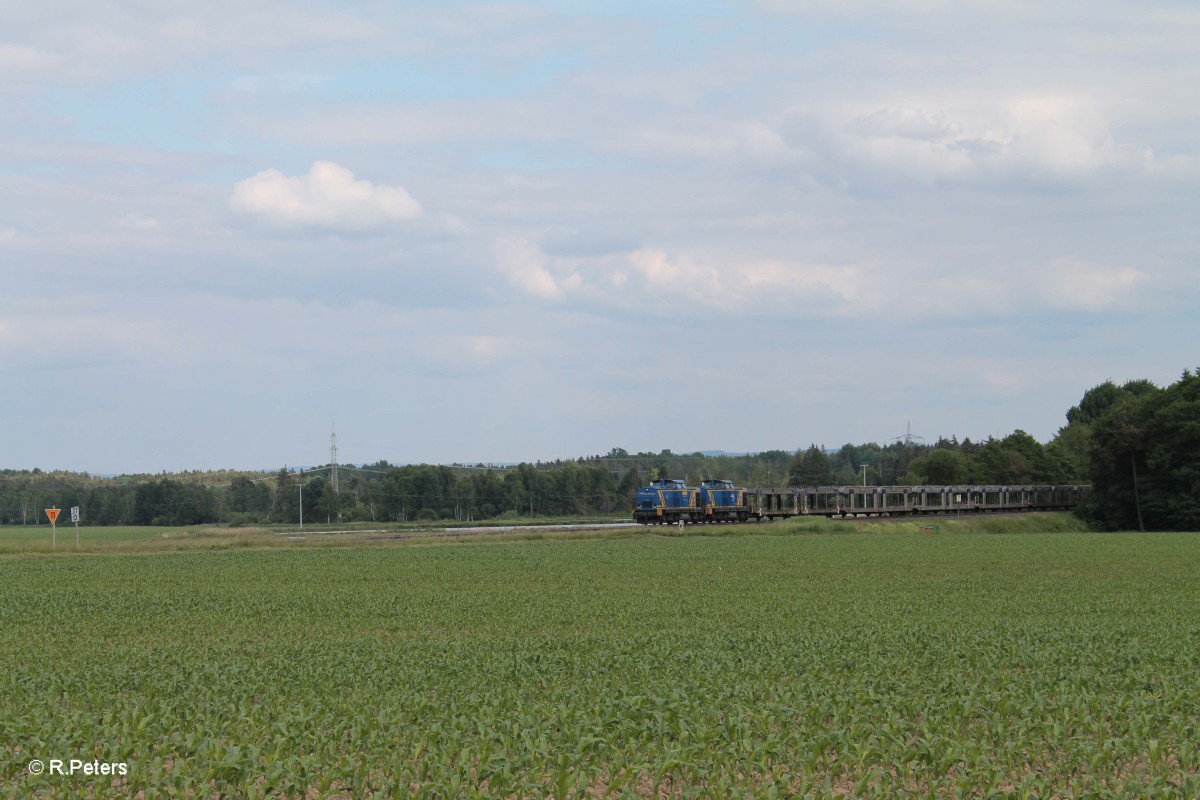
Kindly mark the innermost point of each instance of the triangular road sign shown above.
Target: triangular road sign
(52, 513)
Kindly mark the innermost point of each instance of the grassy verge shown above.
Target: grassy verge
(37, 538)
(1042, 522)
(131, 539)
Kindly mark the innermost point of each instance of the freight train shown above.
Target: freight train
(673, 501)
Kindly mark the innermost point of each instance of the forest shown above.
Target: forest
(1137, 444)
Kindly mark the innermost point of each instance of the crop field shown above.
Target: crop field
(901, 665)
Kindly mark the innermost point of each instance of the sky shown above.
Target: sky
(467, 232)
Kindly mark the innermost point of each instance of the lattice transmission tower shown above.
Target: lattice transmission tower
(909, 437)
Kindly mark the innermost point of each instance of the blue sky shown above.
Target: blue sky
(498, 232)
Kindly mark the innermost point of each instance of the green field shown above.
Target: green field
(902, 664)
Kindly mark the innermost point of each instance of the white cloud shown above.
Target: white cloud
(329, 196)
(1071, 283)
(905, 123)
(12, 237)
(55, 335)
(683, 281)
(525, 265)
(703, 138)
(282, 82)
(18, 58)
(139, 222)
(743, 285)
(68, 41)
(1004, 375)
(733, 286)
(435, 350)
(1029, 136)
(987, 292)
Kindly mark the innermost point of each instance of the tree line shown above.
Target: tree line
(377, 493)
(1136, 443)
(1142, 445)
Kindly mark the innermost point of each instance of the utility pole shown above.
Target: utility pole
(301, 499)
(333, 465)
(333, 462)
(864, 469)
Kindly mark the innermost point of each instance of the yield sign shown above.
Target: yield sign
(52, 513)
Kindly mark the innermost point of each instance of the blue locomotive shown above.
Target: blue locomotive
(669, 501)
(723, 502)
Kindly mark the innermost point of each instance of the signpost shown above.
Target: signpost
(52, 513)
(75, 519)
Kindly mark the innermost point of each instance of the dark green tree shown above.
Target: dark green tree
(285, 503)
(940, 467)
(810, 468)
(249, 497)
(1145, 459)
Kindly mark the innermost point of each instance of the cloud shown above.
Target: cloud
(66, 41)
(1071, 283)
(1008, 376)
(1028, 137)
(17, 58)
(1058, 284)
(329, 196)
(904, 123)
(698, 138)
(737, 285)
(681, 280)
(525, 265)
(52, 334)
(139, 222)
(280, 82)
(12, 237)
(732, 285)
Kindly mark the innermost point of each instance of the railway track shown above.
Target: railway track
(932, 518)
(465, 533)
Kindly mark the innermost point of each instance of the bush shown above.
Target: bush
(238, 519)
